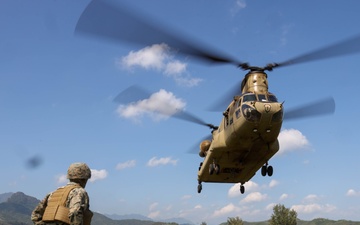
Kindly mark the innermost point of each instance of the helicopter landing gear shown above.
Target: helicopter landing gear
(214, 168)
(267, 170)
(242, 189)
(199, 187)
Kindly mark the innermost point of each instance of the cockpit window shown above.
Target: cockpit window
(249, 98)
(262, 98)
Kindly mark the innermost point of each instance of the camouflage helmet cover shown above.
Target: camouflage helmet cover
(78, 171)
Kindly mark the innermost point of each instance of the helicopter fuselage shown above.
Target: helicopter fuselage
(246, 138)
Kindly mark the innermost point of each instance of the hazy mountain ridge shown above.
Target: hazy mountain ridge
(4, 197)
(16, 208)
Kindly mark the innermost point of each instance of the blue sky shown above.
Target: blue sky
(56, 104)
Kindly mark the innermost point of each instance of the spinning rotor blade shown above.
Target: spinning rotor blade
(119, 23)
(348, 46)
(196, 147)
(191, 118)
(322, 107)
(135, 93)
(223, 102)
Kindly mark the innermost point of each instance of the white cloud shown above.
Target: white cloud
(153, 212)
(311, 198)
(270, 206)
(175, 67)
(153, 206)
(168, 208)
(353, 193)
(161, 161)
(225, 210)
(61, 179)
(154, 215)
(185, 197)
(158, 57)
(239, 5)
(283, 197)
(127, 164)
(273, 183)
(98, 175)
(234, 191)
(313, 208)
(162, 102)
(152, 57)
(291, 140)
(254, 197)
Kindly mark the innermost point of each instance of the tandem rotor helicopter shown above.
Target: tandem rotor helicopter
(247, 137)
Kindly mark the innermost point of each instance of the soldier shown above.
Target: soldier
(68, 204)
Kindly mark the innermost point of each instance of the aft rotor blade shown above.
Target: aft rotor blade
(348, 46)
(196, 147)
(118, 23)
(318, 108)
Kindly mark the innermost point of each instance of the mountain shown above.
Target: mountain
(16, 208)
(180, 221)
(322, 221)
(4, 197)
(127, 217)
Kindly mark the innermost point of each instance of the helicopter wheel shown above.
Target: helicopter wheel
(264, 171)
(270, 171)
(200, 166)
(211, 169)
(242, 189)
(267, 170)
(217, 169)
(199, 188)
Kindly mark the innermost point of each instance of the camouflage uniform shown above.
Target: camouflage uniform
(77, 202)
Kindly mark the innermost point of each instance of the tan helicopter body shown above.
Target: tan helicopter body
(246, 138)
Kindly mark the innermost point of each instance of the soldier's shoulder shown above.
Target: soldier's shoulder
(78, 191)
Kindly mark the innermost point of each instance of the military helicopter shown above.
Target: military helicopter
(247, 137)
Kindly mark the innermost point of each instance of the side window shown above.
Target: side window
(238, 103)
(226, 117)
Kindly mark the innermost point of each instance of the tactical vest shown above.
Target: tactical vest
(56, 209)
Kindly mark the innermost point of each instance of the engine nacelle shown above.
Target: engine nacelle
(204, 147)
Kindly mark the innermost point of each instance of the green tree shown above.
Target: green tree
(283, 216)
(203, 223)
(234, 221)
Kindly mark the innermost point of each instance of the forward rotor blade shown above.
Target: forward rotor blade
(191, 118)
(136, 93)
(133, 93)
(348, 46)
(119, 23)
(318, 108)
(223, 102)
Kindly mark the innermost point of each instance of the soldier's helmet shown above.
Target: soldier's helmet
(79, 171)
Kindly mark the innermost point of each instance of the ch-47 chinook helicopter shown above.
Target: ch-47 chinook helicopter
(247, 136)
